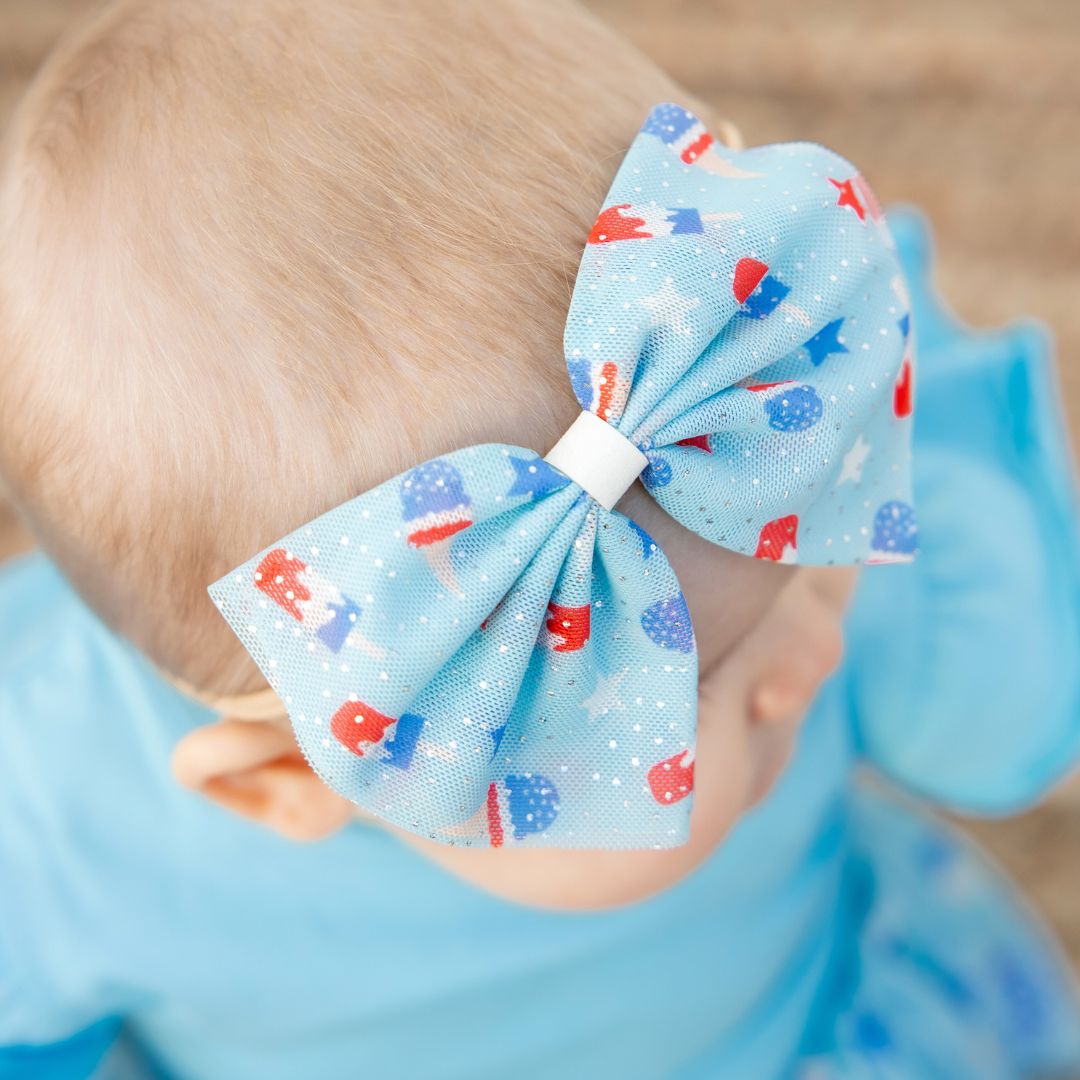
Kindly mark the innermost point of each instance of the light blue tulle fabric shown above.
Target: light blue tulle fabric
(868, 942)
(477, 650)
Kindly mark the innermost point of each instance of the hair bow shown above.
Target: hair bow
(482, 650)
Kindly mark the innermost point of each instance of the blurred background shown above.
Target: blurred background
(968, 108)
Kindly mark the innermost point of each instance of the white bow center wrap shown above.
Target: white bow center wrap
(598, 458)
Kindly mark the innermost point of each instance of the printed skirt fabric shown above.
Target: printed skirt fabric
(950, 974)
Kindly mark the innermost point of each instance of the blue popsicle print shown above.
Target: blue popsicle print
(794, 409)
(333, 633)
(669, 123)
(534, 803)
(648, 544)
(658, 472)
(432, 488)
(765, 299)
(667, 624)
(895, 529)
(401, 748)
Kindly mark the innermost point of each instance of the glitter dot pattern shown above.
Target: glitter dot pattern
(476, 651)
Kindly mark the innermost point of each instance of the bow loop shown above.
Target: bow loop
(742, 319)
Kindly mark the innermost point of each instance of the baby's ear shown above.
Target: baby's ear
(255, 769)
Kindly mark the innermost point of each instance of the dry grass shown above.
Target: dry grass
(967, 108)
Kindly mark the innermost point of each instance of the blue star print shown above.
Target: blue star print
(765, 298)
(535, 477)
(825, 343)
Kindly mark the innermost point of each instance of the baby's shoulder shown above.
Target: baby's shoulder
(76, 716)
(34, 600)
(54, 652)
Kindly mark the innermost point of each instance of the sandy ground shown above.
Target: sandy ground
(966, 107)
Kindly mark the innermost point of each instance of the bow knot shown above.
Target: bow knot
(598, 458)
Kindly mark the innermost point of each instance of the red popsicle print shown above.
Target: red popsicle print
(611, 225)
(848, 196)
(355, 723)
(756, 388)
(569, 623)
(748, 275)
(278, 576)
(672, 779)
(442, 530)
(608, 374)
(694, 150)
(494, 817)
(778, 539)
(902, 395)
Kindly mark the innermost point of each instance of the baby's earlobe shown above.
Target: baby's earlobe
(801, 660)
(775, 701)
(255, 769)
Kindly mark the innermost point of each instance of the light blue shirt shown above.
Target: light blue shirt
(217, 949)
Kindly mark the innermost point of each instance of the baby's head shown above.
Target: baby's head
(259, 257)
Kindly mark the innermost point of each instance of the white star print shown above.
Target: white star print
(854, 460)
(670, 308)
(605, 698)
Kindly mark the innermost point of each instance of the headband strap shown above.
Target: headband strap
(254, 705)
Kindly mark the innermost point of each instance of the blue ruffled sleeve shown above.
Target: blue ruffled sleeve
(75, 1058)
(52, 1027)
(965, 665)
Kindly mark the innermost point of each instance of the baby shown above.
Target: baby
(271, 277)
(256, 259)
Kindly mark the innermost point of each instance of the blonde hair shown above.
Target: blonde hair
(258, 257)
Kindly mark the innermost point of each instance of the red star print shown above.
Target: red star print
(700, 441)
(848, 196)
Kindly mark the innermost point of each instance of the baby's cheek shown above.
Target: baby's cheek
(790, 655)
(726, 764)
(771, 747)
(804, 653)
